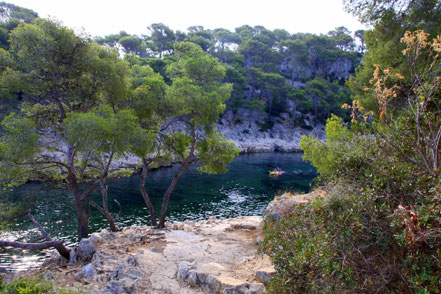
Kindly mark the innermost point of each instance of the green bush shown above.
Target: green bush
(379, 227)
(31, 286)
(302, 253)
(335, 244)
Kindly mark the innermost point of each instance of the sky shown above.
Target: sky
(100, 18)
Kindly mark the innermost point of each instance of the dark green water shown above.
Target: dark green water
(245, 190)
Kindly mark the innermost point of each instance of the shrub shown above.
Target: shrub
(379, 227)
(337, 244)
(36, 285)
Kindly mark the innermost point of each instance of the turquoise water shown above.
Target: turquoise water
(245, 190)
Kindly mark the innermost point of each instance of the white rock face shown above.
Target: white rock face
(245, 130)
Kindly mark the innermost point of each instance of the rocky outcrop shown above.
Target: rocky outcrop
(211, 256)
(334, 68)
(215, 279)
(283, 205)
(244, 128)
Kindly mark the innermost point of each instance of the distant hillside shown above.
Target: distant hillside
(298, 78)
(273, 72)
(8, 11)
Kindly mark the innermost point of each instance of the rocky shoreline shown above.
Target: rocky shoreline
(210, 256)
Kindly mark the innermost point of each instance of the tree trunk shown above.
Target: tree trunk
(166, 198)
(62, 250)
(82, 216)
(83, 219)
(38, 246)
(184, 166)
(106, 207)
(145, 196)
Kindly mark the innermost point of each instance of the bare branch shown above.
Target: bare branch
(120, 208)
(99, 208)
(39, 227)
(63, 251)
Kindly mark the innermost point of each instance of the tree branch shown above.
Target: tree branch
(120, 208)
(58, 245)
(39, 227)
(99, 208)
(63, 251)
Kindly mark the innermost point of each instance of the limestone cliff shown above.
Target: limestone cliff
(244, 128)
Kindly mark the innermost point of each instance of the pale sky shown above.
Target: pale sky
(99, 18)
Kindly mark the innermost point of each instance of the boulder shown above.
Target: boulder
(95, 238)
(112, 287)
(85, 250)
(209, 283)
(88, 271)
(265, 274)
(131, 260)
(283, 205)
(117, 273)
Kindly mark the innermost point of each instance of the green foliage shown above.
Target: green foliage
(336, 157)
(9, 212)
(32, 286)
(20, 140)
(19, 143)
(391, 19)
(132, 44)
(101, 131)
(266, 125)
(162, 38)
(71, 89)
(254, 103)
(261, 64)
(303, 251)
(214, 153)
(197, 89)
(17, 12)
(381, 217)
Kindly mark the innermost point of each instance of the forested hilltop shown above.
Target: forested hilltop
(271, 71)
(298, 78)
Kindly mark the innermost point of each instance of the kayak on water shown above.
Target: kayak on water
(276, 172)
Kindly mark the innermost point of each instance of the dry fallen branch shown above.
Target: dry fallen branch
(58, 245)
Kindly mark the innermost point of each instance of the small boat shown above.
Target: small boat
(276, 172)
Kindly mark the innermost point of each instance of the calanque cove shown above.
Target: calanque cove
(210, 256)
(217, 160)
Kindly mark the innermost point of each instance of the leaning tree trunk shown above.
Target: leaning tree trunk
(58, 245)
(106, 211)
(145, 196)
(82, 216)
(166, 198)
(184, 166)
